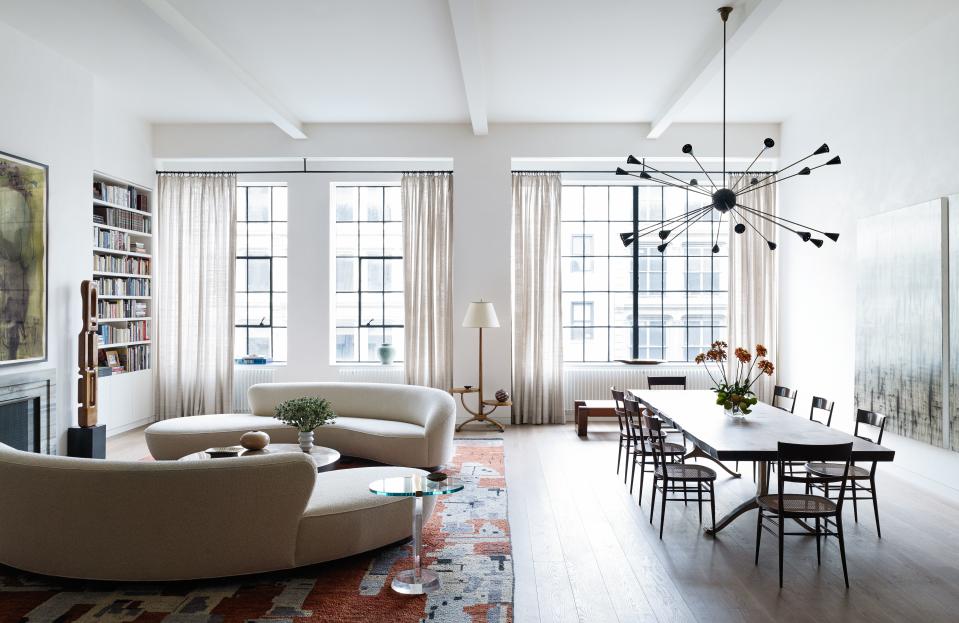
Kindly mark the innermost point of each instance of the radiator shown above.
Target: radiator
(372, 374)
(593, 382)
(244, 377)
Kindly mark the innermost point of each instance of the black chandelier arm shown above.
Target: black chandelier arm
(803, 171)
(767, 144)
(631, 159)
(769, 243)
(765, 217)
(719, 228)
(687, 225)
(703, 169)
(805, 235)
(831, 235)
(822, 149)
(664, 182)
(648, 229)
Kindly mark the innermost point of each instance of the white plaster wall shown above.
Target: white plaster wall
(894, 123)
(48, 114)
(481, 204)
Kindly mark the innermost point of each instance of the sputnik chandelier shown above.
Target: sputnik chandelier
(725, 200)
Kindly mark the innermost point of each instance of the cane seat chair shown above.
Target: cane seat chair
(776, 508)
(862, 481)
(671, 479)
(642, 445)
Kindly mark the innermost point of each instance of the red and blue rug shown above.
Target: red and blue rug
(466, 541)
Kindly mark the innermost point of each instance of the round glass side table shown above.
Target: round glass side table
(418, 580)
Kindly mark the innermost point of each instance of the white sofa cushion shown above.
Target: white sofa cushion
(343, 517)
(175, 438)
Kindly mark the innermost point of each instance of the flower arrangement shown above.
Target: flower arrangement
(735, 392)
(305, 414)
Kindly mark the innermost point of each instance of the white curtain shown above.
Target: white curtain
(428, 276)
(754, 283)
(194, 294)
(537, 302)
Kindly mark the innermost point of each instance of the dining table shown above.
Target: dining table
(755, 437)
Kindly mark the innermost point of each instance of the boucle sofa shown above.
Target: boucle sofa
(175, 520)
(388, 423)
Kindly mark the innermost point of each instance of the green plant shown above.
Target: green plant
(736, 391)
(305, 414)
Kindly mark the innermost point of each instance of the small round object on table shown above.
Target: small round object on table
(502, 395)
(437, 476)
(255, 440)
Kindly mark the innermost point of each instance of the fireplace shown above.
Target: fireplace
(27, 411)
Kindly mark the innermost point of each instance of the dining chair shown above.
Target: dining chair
(824, 408)
(855, 474)
(827, 513)
(674, 478)
(658, 382)
(642, 444)
(782, 394)
(625, 439)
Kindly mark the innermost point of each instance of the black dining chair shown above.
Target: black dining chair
(784, 395)
(675, 478)
(659, 382)
(642, 449)
(857, 476)
(820, 411)
(776, 508)
(625, 439)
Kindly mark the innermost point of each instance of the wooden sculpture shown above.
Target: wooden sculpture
(87, 411)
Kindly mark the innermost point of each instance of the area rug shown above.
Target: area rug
(466, 541)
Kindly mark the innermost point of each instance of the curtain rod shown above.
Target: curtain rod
(286, 171)
(674, 171)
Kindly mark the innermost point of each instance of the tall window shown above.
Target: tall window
(634, 302)
(368, 279)
(261, 252)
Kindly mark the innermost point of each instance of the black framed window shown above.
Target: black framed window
(261, 261)
(368, 271)
(641, 303)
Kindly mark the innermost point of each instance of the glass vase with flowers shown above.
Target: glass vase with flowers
(734, 391)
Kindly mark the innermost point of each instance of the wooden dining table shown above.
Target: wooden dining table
(718, 437)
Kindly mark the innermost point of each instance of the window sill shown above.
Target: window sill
(368, 364)
(272, 364)
(615, 364)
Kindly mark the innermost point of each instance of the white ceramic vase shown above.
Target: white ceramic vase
(306, 441)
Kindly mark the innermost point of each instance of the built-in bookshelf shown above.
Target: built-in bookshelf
(123, 271)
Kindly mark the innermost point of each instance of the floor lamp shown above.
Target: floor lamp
(480, 315)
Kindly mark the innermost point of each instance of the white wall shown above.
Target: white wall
(481, 199)
(47, 114)
(895, 125)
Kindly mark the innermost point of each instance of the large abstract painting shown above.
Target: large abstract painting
(954, 319)
(23, 260)
(899, 320)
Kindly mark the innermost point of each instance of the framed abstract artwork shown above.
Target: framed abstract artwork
(23, 260)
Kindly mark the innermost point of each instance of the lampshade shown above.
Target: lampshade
(480, 315)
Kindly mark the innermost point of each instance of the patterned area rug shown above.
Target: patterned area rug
(466, 541)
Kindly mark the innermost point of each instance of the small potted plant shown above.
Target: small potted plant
(734, 392)
(305, 414)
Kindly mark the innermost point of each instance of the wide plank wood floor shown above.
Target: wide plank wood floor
(583, 549)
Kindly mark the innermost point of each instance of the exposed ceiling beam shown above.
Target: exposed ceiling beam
(465, 16)
(275, 110)
(739, 29)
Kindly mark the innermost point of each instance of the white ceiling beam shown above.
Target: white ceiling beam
(466, 31)
(738, 31)
(276, 112)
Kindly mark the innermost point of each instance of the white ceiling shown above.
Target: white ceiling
(397, 61)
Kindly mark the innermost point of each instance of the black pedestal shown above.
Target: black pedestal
(87, 443)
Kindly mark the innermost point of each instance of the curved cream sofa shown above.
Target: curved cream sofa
(175, 520)
(393, 424)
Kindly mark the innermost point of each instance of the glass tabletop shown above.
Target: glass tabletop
(410, 486)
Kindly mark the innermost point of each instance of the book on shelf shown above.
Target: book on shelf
(123, 219)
